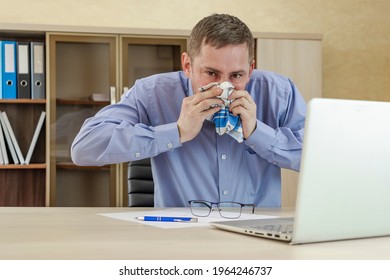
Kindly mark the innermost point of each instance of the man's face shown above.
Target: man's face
(229, 63)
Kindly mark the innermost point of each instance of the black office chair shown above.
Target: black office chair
(140, 184)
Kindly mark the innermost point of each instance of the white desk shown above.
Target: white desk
(80, 233)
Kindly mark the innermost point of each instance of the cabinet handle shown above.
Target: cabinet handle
(112, 95)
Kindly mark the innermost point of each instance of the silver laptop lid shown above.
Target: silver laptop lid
(344, 183)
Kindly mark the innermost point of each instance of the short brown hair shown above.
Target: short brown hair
(220, 30)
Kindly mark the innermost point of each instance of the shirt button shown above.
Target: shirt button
(137, 155)
(169, 145)
(223, 156)
(225, 192)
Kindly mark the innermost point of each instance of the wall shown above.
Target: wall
(356, 45)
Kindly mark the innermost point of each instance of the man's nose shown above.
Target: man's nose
(224, 78)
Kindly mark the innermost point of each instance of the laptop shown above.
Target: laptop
(344, 180)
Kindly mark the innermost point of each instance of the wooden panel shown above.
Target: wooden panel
(82, 187)
(300, 60)
(22, 187)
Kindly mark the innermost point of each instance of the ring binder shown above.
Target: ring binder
(9, 69)
(37, 70)
(23, 69)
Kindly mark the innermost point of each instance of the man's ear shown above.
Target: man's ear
(252, 66)
(186, 64)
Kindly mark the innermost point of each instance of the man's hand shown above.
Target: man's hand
(195, 109)
(244, 106)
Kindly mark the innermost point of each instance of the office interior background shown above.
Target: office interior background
(356, 41)
(356, 65)
(354, 53)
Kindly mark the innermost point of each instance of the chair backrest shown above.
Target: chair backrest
(140, 184)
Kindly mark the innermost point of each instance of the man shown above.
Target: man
(166, 117)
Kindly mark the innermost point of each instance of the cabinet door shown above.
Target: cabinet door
(142, 57)
(300, 60)
(81, 67)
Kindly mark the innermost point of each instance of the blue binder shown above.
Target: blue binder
(1, 69)
(9, 69)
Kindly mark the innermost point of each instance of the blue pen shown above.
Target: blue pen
(167, 219)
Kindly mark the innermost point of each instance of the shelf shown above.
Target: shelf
(24, 166)
(81, 102)
(23, 101)
(72, 166)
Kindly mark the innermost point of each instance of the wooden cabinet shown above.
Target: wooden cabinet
(24, 184)
(299, 57)
(81, 65)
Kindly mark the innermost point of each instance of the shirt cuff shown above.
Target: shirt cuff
(261, 139)
(167, 137)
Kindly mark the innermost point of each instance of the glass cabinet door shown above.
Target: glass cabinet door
(82, 70)
(142, 57)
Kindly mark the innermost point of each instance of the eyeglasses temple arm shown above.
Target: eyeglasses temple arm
(250, 205)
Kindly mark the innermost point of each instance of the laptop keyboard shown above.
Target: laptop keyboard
(277, 228)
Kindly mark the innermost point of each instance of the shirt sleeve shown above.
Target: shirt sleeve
(282, 145)
(120, 133)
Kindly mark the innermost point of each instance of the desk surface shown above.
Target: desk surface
(80, 233)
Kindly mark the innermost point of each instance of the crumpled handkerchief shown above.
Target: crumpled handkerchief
(224, 121)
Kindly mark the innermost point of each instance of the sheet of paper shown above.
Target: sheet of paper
(131, 216)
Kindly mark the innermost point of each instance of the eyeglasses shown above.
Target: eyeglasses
(227, 209)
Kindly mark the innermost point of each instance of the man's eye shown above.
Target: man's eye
(210, 73)
(237, 75)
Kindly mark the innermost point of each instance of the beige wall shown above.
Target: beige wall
(356, 33)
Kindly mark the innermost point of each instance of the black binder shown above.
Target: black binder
(23, 70)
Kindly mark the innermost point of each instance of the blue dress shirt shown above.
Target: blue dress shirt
(210, 167)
